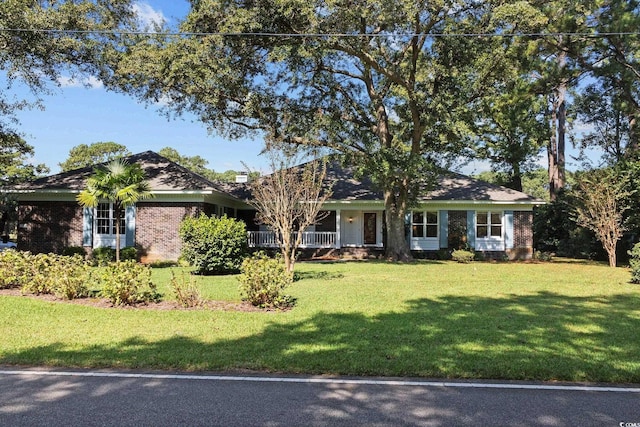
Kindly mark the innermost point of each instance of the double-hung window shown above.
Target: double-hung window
(106, 220)
(488, 225)
(424, 224)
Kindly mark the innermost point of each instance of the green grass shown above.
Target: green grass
(564, 320)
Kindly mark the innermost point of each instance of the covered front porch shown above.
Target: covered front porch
(338, 229)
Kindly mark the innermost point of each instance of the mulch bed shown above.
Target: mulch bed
(162, 305)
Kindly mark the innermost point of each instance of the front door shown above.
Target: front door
(370, 228)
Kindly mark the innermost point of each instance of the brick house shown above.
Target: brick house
(461, 211)
(50, 218)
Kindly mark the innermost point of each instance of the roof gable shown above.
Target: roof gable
(162, 174)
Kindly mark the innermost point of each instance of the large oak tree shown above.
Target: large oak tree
(379, 81)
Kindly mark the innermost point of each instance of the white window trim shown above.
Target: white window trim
(108, 240)
(491, 243)
(425, 243)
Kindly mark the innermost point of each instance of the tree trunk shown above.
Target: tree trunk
(562, 128)
(516, 177)
(552, 157)
(397, 248)
(288, 249)
(558, 133)
(289, 261)
(612, 256)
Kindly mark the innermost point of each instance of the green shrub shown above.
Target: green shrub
(36, 277)
(462, 256)
(103, 256)
(634, 262)
(74, 250)
(129, 253)
(542, 256)
(68, 277)
(64, 276)
(186, 292)
(128, 283)
(213, 245)
(555, 230)
(12, 268)
(164, 264)
(262, 281)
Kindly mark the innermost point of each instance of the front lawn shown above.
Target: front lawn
(554, 321)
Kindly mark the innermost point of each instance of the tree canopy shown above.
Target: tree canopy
(370, 79)
(15, 164)
(84, 155)
(41, 40)
(401, 88)
(198, 165)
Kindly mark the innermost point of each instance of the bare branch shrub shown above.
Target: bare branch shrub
(290, 200)
(600, 195)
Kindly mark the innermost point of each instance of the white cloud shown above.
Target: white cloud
(148, 16)
(90, 82)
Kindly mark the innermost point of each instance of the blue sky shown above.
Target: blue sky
(75, 115)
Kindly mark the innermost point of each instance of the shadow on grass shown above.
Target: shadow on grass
(375, 261)
(316, 275)
(543, 336)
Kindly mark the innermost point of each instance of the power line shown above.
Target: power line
(595, 34)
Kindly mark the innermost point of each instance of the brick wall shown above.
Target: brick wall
(522, 235)
(49, 226)
(523, 229)
(157, 226)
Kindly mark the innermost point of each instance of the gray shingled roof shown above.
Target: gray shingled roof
(453, 186)
(450, 187)
(162, 174)
(165, 175)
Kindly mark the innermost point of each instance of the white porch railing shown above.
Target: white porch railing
(310, 239)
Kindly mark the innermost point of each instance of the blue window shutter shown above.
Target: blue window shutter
(471, 229)
(444, 229)
(508, 235)
(87, 227)
(130, 224)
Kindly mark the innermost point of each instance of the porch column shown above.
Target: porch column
(338, 244)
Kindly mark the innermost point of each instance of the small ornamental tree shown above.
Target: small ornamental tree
(600, 204)
(290, 198)
(119, 183)
(213, 245)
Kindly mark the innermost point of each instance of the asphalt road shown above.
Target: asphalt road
(108, 398)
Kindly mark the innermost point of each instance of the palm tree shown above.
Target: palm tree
(119, 183)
